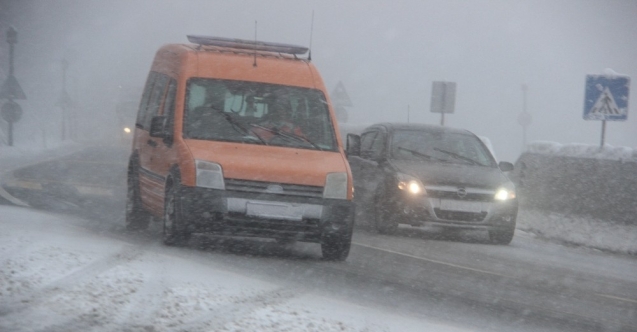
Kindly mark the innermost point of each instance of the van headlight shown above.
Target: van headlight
(335, 186)
(505, 192)
(209, 175)
(410, 184)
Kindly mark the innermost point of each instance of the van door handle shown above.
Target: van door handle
(152, 143)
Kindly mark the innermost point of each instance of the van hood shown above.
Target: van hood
(269, 163)
(447, 174)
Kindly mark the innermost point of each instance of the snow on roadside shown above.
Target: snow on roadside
(579, 150)
(578, 230)
(56, 275)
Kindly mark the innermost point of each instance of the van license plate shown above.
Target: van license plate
(273, 211)
(453, 205)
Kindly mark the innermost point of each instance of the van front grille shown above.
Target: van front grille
(273, 188)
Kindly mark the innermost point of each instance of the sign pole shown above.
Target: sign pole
(10, 90)
(603, 134)
(11, 39)
(444, 99)
(10, 140)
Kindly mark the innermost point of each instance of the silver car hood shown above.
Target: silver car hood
(452, 174)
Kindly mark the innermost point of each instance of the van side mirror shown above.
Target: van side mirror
(353, 145)
(505, 166)
(158, 126)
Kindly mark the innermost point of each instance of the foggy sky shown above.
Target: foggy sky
(386, 53)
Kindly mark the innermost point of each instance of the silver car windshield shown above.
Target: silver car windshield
(440, 147)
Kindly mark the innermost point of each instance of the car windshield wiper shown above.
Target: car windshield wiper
(461, 157)
(238, 125)
(288, 135)
(416, 153)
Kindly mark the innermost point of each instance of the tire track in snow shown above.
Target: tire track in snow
(20, 303)
(145, 303)
(216, 319)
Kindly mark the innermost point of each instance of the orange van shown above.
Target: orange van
(239, 138)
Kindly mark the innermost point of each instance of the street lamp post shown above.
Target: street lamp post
(64, 102)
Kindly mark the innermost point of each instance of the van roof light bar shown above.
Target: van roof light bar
(247, 44)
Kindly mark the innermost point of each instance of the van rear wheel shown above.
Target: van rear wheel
(136, 217)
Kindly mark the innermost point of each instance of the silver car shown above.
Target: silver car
(431, 175)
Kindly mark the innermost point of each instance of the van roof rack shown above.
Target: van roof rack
(247, 44)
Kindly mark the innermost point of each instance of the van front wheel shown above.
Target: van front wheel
(335, 246)
(175, 232)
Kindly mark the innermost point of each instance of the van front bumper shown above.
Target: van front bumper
(237, 213)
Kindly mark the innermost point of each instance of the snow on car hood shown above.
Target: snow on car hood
(437, 173)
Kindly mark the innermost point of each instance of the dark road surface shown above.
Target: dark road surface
(530, 285)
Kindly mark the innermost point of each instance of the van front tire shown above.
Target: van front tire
(335, 246)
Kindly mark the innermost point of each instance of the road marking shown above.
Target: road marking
(616, 298)
(11, 199)
(433, 260)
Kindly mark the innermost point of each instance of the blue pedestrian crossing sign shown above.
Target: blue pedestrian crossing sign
(606, 97)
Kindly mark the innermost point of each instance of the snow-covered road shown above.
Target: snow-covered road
(56, 275)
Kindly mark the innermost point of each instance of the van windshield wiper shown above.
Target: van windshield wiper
(461, 157)
(288, 135)
(235, 124)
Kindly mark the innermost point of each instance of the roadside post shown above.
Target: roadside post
(64, 102)
(443, 99)
(524, 119)
(606, 99)
(11, 111)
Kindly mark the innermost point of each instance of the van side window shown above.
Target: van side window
(161, 81)
(143, 106)
(169, 104)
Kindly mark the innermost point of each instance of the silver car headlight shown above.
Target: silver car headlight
(209, 175)
(410, 184)
(505, 192)
(335, 186)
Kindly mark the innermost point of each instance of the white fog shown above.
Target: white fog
(114, 220)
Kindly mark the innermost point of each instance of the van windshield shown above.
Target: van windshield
(440, 147)
(257, 113)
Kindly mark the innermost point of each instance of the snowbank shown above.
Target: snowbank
(579, 150)
(579, 194)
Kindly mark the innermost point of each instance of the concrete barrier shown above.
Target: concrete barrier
(599, 188)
